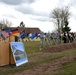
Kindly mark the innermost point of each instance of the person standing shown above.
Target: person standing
(65, 38)
(41, 40)
(54, 38)
(48, 37)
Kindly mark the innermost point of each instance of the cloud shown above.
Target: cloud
(9, 15)
(40, 18)
(31, 13)
(38, 7)
(67, 3)
(36, 16)
(32, 7)
(27, 9)
(72, 25)
(34, 13)
(73, 2)
(16, 2)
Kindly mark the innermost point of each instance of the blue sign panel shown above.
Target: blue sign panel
(19, 53)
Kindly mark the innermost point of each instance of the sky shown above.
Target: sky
(35, 13)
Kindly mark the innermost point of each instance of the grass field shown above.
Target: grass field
(37, 58)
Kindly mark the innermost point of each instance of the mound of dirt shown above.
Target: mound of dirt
(60, 47)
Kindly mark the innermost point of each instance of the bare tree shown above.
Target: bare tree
(65, 15)
(6, 23)
(56, 18)
(59, 15)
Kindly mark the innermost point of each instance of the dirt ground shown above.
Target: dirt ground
(52, 66)
(60, 47)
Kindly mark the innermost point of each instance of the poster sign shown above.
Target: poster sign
(19, 53)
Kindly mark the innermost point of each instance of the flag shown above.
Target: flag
(15, 33)
(5, 34)
(8, 30)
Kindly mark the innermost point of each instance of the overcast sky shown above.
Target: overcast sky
(35, 13)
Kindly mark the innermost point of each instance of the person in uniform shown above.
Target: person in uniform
(41, 40)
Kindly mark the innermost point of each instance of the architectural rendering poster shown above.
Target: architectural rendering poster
(19, 53)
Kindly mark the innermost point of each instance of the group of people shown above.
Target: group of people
(56, 38)
(44, 37)
(69, 37)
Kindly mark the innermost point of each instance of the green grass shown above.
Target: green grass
(32, 50)
(68, 69)
(31, 47)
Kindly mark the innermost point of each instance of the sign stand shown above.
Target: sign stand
(6, 56)
(11, 59)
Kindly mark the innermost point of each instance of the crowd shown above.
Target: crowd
(46, 37)
(56, 38)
